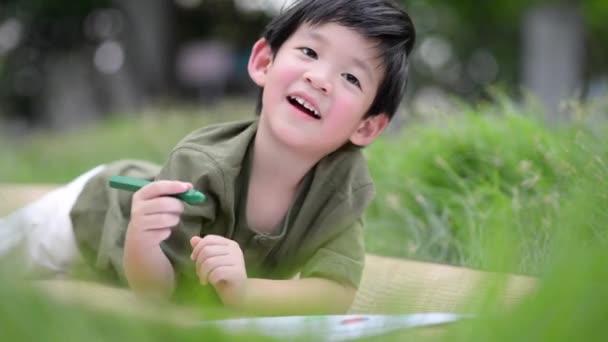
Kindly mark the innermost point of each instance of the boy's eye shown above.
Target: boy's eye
(352, 79)
(309, 52)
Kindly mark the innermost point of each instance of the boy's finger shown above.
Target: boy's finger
(204, 252)
(194, 241)
(161, 205)
(196, 244)
(207, 266)
(211, 239)
(162, 188)
(159, 221)
(218, 275)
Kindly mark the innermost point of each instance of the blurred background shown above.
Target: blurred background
(498, 159)
(64, 63)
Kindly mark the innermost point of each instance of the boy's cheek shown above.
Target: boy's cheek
(285, 77)
(346, 107)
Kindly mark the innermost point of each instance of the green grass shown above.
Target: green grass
(490, 187)
(56, 158)
(446, 188)
(571, 301)
(29, 315)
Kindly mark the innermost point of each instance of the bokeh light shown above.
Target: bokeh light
(10, 35)
(109, 57)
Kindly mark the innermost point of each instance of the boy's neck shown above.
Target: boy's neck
(276, 165)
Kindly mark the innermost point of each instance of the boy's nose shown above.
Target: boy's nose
(318, 81)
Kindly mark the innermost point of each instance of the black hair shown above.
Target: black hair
(381, 21)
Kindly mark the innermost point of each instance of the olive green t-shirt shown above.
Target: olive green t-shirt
(320, 236)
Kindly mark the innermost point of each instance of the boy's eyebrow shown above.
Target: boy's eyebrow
(363, 66)
(358, 62)
(317, 36)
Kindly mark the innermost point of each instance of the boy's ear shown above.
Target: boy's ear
(369, 129)
(259, 62)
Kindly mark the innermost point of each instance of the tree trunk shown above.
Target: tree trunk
(148, 38)
(553, 53)
(67, 99)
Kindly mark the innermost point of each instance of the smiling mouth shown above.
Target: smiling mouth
(303, 106)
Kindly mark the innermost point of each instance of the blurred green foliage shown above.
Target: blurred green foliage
(570, 303)
(494, 173)
(27, 314)
(49, 158)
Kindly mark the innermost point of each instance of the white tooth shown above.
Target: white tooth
(309, 107)
(305, 105)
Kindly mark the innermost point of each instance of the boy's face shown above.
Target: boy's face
(318, 87)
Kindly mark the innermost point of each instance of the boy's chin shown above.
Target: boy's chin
(301, 142)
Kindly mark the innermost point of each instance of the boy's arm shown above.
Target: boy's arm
(342, 259)
(153, 214)
(219, 262)
(147, 269)
(315, 293)
(296, 297)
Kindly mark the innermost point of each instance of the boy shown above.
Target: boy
(285, 192)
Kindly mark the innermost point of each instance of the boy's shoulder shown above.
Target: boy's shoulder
(345, 170)
(219, 133)
(223, 142)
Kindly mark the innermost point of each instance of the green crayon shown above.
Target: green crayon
(133, 184)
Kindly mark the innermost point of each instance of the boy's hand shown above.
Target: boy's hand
(220, 262)
(154, 213)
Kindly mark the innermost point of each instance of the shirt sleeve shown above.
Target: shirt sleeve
(194, 166)
(341, 259)
(101, 215)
